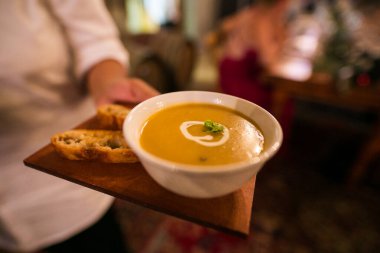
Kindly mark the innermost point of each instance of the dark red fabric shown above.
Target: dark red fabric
(243, 78)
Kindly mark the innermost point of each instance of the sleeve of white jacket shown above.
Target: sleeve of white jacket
(91, 32)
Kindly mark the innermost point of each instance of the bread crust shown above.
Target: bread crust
(106, 146)
(111, 116)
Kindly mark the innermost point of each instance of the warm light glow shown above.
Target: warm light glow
(307, 45)
(293, 68)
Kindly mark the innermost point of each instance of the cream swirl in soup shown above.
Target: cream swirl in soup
(205, 140)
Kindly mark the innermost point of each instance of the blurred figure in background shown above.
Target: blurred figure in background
(249, 44)
(52, 53)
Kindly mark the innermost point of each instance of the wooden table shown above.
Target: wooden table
(130, 182)
(321, 88)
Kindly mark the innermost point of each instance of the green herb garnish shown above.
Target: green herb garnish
(212, 127)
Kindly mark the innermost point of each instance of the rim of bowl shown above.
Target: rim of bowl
(194, 169)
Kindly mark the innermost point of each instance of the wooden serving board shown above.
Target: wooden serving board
(130, 182)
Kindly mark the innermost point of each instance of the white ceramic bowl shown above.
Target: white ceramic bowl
(209, 182)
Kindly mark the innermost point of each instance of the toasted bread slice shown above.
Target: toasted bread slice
(111, 116)
(98, 145)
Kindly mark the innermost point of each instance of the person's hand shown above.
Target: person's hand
(107, 83)
(131, 90)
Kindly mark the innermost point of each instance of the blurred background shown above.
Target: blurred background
(316, 66)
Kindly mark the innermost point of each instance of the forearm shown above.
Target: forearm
(103, 74)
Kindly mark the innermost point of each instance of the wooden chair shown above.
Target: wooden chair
(368, 154)
(321, 89)
(166, 59)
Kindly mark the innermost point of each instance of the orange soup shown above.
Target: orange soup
(201, 134)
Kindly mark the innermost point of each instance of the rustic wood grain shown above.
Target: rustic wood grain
(130, 182)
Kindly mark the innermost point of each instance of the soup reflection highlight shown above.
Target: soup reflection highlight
(179, 134)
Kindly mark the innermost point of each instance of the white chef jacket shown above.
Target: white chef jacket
(45, 46)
